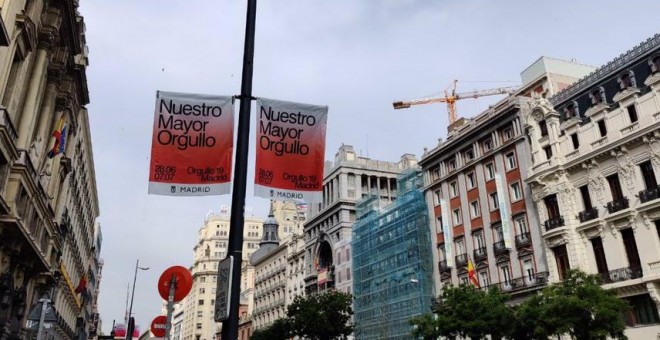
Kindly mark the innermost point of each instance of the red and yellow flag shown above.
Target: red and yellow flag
(472, 274)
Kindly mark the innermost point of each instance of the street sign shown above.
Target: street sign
(183, 281)
(223, 290)
(158, 326)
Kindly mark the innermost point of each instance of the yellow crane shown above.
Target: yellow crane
(451, 97)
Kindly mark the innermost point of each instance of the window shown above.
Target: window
(200, 302)
(631, 248)
(602, 128)
(200, 313)
(597, 96)
(483, 279)
(474, 209)
(487, 145)
(528, 269)
(199, 325)
(348, 274)
(571, 110)
(203, 279)
(649, 175)
(464, 280)
(456, 214)
(599, 255)
(551, 206)
(435, 172)
(471, 180)
(338, 257)
(202, 290)
(632, 113)
(453, 188)
(521, 225)
(561, 257)
(586, 198)
(460, 246)
(626, 80)
(451, 164)
(498, 232)
(505, 275)
(544, 128)
(479, 240)
(494, 202)
(507, 133)
(642, 310)
(615, 187)
(576, 141)
(548, 152)
(516, 191)
(490, 171)
(469, 154)
(510, 161)
(437, 196)
(439, 226)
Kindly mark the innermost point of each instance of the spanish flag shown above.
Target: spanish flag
(472, 274)
(60, 138)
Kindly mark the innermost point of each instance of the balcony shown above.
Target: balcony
(443, 267)
(622, 274)
(617, 205)
(523, 240)
(480, 254)
(649, 194)
(538, 279)
(499, 248)
(461, 260)
(588, 215)
(554, 223)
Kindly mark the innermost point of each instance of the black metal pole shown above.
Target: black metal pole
(230, 326)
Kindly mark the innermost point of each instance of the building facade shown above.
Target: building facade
(295, 255)
(211, 248)
(392, 262)
(346, 180)
(481, 210)
(48, 199)
(594, 180)
(270, 264)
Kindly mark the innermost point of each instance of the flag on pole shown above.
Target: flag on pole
(472, 274)
(60, 138)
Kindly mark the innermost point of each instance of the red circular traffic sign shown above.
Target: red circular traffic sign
(183, 281)
(158, 326)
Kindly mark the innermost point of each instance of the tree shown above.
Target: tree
(577, 306)
(425, 326)
(321, 316)
(467, 311)
(279, 330)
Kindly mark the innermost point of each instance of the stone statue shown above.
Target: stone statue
(35, 149)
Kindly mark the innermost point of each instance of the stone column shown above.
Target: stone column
(47, 38)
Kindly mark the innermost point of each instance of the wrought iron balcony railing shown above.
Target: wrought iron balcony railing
(617, 205)
(554, 223)
(523, 239)
(622, 274)
(480, 253)
(588, 214)
(499, 248)
(649, 194)
(443, 267)
(461, 260)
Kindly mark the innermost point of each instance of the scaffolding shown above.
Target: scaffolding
(392, 262)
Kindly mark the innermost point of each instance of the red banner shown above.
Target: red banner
(192, 145)
(290, 150)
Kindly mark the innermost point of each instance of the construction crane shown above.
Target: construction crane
(451, 97)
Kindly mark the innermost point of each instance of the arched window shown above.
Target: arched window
(626, 80)
(571, 110)
(597, 96)
(654, 62)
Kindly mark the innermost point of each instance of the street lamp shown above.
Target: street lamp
(129, 328)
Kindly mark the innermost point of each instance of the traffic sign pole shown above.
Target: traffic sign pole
(170, 307)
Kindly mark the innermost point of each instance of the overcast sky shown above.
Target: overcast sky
(357, 57)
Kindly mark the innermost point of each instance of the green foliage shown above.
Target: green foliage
(467, 311)
(279, 330)
(577, 306)
(321, 316)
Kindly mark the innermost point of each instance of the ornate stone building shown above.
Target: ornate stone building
(480, 209)
(594, 180)
(48, 199)
(346, 180)
(199, 305)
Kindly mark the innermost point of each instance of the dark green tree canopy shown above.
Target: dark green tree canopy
(321, 316)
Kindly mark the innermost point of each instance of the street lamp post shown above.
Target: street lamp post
(129, 327)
